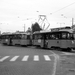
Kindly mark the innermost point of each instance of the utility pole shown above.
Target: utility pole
(24, 27)
(72, 22)
(32, 28)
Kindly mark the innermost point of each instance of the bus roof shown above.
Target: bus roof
(41, 32)
(67, 30)
(16, 33)
(20, 33)
(63, 30)
(60, 28)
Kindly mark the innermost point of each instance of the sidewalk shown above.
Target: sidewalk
(66, 65)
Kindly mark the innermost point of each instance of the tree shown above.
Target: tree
(29, 30)
(36, 27)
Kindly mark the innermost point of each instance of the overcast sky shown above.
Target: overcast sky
(15, 13)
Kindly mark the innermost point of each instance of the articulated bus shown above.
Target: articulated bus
(16, 39)
(63, 39)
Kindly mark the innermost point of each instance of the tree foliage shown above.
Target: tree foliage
(29, 30)
(36, 27)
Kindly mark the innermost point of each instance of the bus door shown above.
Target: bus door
(45, 40)
(40, 40)
(19, 38)
(10, 40)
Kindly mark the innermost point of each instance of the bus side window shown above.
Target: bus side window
(64, 36)
(57, 36)
(68, 36)
(25, 36)
(19, 36)
(50, 36)
(53, 36)
(72, 36)
(39, 36)
(15, 36)
(47, 36)
(22, 36)
(28, 36)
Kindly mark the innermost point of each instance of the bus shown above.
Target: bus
(23, 39)
(6, 39)
(16, 39)
(63, 39)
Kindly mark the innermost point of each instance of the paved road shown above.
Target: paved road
(17, 60)
(26, 61)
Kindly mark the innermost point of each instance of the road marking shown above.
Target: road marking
(14, 58)
(47, 58)
(56, 56)
(25, 58)
(1, 60)
(55, 64)
(67, 53)
(36, 58)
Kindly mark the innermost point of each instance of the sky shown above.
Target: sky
(14, 14)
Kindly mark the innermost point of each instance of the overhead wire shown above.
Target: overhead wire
(63, 8)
